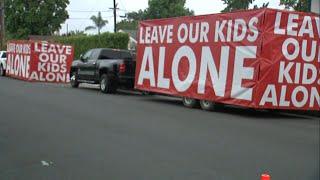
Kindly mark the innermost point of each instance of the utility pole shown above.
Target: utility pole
(2, 24)
(115, 14)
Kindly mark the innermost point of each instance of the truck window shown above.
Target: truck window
(109, 54)
(95, 55)
(126, 55)
(87, 55)
(4, 55)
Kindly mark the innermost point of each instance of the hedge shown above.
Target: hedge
(83, 43)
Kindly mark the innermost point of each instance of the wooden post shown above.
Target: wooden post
(115, 15)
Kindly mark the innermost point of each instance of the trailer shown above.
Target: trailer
(262, 59)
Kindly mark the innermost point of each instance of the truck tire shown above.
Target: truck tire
(108, 84)
(74, 81)
(207, 105)
(190, 102)
(2, 71)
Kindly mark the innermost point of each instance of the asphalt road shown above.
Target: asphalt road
(50, 131)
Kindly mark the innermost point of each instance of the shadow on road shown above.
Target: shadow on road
(246, 112)
(95, 88)
(227, 109)
(129, 93)
(265, 114)
(164, 100)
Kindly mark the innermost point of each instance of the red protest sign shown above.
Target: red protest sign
(229, 58)
(290, 63)
(18, 59)
(39, 61)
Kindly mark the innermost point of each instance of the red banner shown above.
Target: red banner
(260, 58)
(290, 63)
(39, 61)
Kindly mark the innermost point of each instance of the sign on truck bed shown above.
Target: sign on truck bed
(261, 58)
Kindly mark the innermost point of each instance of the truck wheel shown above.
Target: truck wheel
(74, 81)
(207, 105)
(2, 71)
(190, 102)
(108, 84)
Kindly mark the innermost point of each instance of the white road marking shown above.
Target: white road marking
(44, 163)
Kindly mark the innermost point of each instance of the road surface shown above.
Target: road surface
(51, 131)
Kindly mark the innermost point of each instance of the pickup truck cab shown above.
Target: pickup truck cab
(3, 58)
(111, 68)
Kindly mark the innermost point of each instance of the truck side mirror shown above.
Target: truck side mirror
(81, 58)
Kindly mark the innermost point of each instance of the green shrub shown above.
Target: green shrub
(83, 43)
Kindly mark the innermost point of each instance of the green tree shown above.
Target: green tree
(264, 5)
(297, 5)
(99, 23)
(233, 5)
(157, 9)
(77, 32)
(136, 15)
(34, 17)
(166, 8)
(127, 24)
(131, 23)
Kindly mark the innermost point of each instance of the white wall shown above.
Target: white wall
(315, 6)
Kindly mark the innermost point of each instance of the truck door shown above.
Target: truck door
(82, 66)
(91, 65)
(86, 69)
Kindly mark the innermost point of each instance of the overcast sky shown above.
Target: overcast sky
(80, 11)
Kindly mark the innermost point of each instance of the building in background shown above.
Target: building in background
(132, 45)
(315, 6)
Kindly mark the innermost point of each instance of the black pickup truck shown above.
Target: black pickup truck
(111, 68)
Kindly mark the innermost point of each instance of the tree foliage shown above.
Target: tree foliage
(264, 5)
(233, 5)
(34, 17)
(131, 23)
(127, 24)
(76, 32)
(297, 5)
(98, 22)
(83, 43)
(156, 9)
(136, 15)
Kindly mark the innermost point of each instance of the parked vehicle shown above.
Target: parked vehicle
(3, 58)
(111, 68)
(253, 58)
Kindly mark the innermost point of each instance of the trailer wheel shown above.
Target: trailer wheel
(207, 105)
(190, 102)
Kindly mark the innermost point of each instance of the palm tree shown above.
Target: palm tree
(99, 23)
